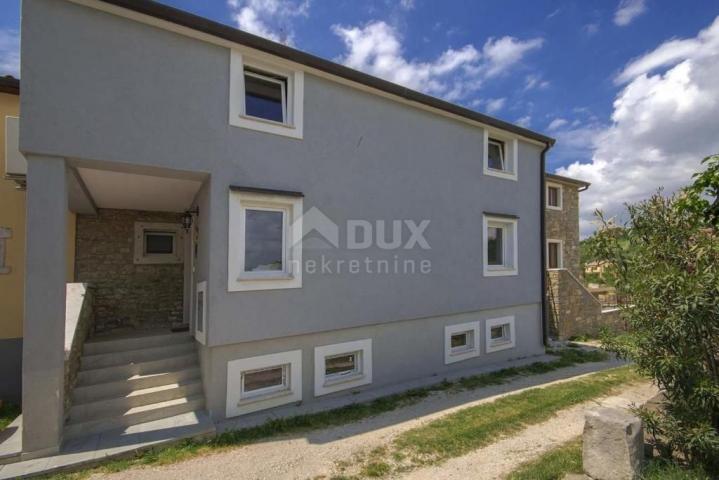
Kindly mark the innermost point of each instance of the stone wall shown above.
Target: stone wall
(564, 225)
(127, 295)
(573, 310)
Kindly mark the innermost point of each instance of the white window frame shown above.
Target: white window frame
(293, 95)
(560, 195)
(457, 355)
(496, 346)
(560, 253)
(201, 336)
(510, 156)
(509, 245)
(241, 403)
(142, 228)
(291, 276)
(325, 385)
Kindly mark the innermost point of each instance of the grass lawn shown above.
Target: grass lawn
(466, 430)
(351, 413)
(567, 458)
(8, 413)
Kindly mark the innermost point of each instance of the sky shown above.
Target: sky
(629, 88)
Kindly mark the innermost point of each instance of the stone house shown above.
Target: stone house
(572, 308)
(259, 232)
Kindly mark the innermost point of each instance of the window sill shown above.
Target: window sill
(464, 352)
(267, 126)
(558, 209)
(497, 346)
(264, 397)
(265, 276)
(500, 174)
(500, 272)
(342, 380)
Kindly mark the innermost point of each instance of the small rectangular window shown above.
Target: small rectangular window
(496, 155)
(500, 245)
(500, 333)
(264, 240)
(159, 243)
(265, 96)
(461, 342)
(495, 246)
(554, 196)
(554, 254)
(265, 381)
(343, 365)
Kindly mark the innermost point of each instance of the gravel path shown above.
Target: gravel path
(314, 455)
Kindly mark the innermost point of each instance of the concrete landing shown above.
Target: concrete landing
(11, 442)
(93, 449)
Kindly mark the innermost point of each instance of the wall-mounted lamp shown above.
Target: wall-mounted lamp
(187, 218)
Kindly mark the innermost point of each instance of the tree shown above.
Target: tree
(667, 263)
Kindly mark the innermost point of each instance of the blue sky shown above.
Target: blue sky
(624, 85)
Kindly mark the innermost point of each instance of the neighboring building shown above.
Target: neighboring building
(562, 222)
(573, 308)
(194, 154)
(12, 242)
(595, 266)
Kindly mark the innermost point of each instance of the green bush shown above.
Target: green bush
(666, 261)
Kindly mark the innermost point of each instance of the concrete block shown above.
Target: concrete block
(613, 444)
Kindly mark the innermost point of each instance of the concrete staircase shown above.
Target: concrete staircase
(128, 381)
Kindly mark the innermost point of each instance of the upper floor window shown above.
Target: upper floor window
(554, 253)
(554, 196)
(500, 245)
(266, 95)
(500, 157)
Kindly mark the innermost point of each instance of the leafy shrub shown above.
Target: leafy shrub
(666, 261)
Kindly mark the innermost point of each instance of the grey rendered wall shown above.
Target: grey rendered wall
(109, 89)
(401, 352)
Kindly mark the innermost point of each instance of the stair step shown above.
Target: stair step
(135, 415)
(100, 346)
(126, 372)
(114, 407)
(108, 390)
(102, 360)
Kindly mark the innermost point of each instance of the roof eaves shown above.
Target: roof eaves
(204, 25)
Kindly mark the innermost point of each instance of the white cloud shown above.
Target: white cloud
(495, 104)
(271, 19)
(534, 80)
(591, 28)
(502, 53)
(628, 10)
(524, 121)
(376, 48)
(10, 52)
(663, 124)
(557, 123)
(407, 4)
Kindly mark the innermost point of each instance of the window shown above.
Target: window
(267, 381)
(461, 342)
(496, 155)
(554, 254)
(265, 250)
(342, 366)
(201, 312)
(158, 243)
(554, 196)
(500, 334)
(266, 95)
(500, 156)
(500, 245)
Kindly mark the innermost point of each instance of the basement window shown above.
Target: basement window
(343, 365)
(267, 381)
(461, 342)
(500, 334)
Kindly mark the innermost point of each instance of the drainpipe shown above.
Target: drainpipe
(543, 240)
